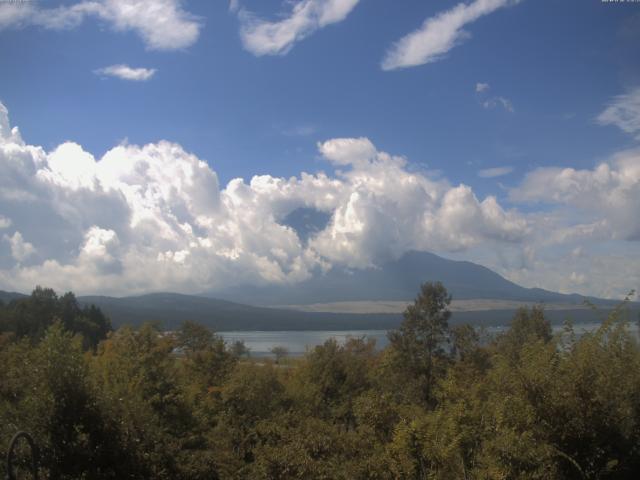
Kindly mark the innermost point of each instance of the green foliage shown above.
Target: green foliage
(295, 447)
(137, 379)
(331, 376)
(47, 390)
(527, 326)
(30, 317)
(438, 403)
(207, 361)
(279, 352)
(418, 343)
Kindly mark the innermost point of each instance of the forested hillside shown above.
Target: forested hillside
(440, 402)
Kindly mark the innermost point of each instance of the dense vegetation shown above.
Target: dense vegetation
(438, 403)
(30, 317)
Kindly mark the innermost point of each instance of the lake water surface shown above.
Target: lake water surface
(298, 342)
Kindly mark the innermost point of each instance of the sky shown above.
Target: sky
(165, 145)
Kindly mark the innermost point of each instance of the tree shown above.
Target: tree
(207, 359)
(280, 352)
(137, 378)
(239, 349)
(194, 337)
(47, 391)
(31, 316)
(252, 393)
(89, 321)
(527, 326)
(418, 343)
(331, 377)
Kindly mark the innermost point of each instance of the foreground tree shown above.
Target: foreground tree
(331, 376)
(418, 343)
(30, 317)
(47, 391)
(137, 378)
(150, 404)
(527, 326)
(207, 360)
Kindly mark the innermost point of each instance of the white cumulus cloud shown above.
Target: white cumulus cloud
(125, 72)
(609, 193)
(154, 217)
(20, 249)
(263, 37)
(162, 24)
(439, 34)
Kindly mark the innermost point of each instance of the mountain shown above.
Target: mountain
(6, 297)
(481, 297)
(398, 280)
(171, 309)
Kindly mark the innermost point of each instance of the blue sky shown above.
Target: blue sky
(548, 69)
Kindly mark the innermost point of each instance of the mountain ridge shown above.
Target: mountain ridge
(263, 308)
(398, 280)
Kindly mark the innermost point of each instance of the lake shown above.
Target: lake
(297, 342)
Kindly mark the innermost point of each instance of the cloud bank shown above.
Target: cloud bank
(439, 34)
(263, 37)
(610, 192)
(161, 24)
(154, 217)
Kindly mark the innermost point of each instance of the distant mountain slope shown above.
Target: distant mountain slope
(171, 309)
(397, 280)
(6, 297)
